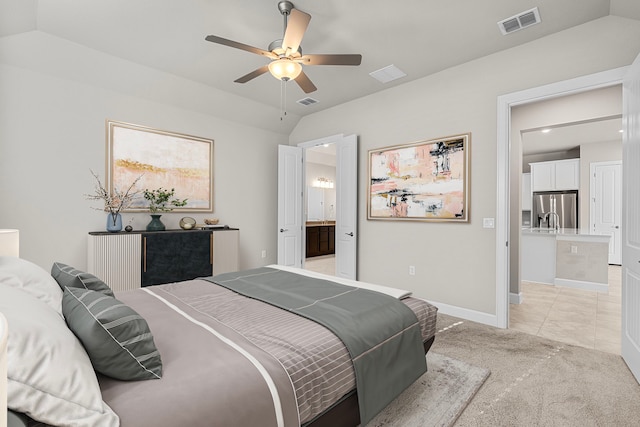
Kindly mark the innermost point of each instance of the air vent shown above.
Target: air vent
(387, 74)
(307, 101)
(519, 21)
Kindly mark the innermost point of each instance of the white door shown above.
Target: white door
(631, 219)
(290, 206)
(606, 205)
(347, 206)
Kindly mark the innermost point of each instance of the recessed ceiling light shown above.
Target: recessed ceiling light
(621, 131)
(546, 130)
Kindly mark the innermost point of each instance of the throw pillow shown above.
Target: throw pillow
(117, 339)
(67, 276)
(49, 375)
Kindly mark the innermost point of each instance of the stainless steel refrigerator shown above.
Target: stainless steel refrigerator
(555, 209)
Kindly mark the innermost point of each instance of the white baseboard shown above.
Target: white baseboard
(467, 314)
(589, 286)
(515, 298)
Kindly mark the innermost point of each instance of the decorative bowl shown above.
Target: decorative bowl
(211, 221)
(187, 223)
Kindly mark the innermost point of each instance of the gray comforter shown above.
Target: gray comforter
(381, 334)
(207, 382)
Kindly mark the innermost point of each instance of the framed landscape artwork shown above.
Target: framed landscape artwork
(165, 160)
(421, 181)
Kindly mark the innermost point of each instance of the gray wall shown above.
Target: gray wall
(52, 131)
(455, 263)
(52, 112)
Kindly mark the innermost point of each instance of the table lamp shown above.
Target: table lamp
(9, 242)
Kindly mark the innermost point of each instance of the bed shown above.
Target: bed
(219, 357)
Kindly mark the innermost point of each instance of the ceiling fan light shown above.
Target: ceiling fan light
(285, 69)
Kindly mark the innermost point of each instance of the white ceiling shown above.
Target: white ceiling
(421, 37)
(571, 135)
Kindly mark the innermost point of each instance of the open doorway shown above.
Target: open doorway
(545, 305)
(320, 207)
(561, 120)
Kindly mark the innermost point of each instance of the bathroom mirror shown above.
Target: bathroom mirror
(315, 204)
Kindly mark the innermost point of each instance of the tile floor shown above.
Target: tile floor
(321, 264)
(574, 316)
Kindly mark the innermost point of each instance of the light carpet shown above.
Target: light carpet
(435, 399)
(539, 382)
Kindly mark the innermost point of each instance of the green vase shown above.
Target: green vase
(155, 224)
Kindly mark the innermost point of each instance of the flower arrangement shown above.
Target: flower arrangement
(116, 200)
(161, 200)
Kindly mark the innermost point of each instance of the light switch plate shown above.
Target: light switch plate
(488, 223)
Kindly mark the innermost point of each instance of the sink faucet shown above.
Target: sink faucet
(557, 219)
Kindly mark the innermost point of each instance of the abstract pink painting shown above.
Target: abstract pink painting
(426, 180)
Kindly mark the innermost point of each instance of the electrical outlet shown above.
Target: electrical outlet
(264, 253)
(574, 249)
(412, 270)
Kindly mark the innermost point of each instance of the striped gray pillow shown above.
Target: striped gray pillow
(116, 338)
(67, 276)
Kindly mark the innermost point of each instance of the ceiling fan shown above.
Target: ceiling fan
(286, 54)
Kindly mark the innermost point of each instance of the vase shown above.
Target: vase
(114, 223)
(155, 224)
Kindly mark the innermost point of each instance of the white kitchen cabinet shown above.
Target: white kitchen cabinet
(526, 191)
(555, 175)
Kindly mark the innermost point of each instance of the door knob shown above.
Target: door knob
(282, 230)
(616, 226)
(349, 234)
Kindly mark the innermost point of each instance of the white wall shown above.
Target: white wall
(52, 131)
(455, 263)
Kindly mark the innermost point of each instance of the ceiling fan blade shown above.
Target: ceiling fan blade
(305, 84)
(328, 59)
(252, 75)
(237, 45)
(297, 25)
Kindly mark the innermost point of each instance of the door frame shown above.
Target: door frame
(333, 139)
(505, 103)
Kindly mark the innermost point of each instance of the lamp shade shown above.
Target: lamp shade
(9, 242)
(285, 69)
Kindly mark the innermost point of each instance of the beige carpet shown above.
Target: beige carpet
(437, 398)
(539, 382)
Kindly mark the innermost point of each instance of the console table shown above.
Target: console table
(129, 260)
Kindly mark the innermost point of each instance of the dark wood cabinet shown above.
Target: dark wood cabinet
(320, 240)
(174, 256)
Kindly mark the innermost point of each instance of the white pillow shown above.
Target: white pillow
(31, 278)
(50, 377)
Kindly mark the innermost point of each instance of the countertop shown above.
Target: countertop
(565, 233)
(319, 223)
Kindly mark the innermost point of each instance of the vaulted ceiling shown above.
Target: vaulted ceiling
(420, 37)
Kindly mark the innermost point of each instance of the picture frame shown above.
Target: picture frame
(163, 159)
(421, 181)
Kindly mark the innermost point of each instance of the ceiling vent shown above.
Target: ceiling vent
(307, 101)
(387, 74)
(519, 21)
